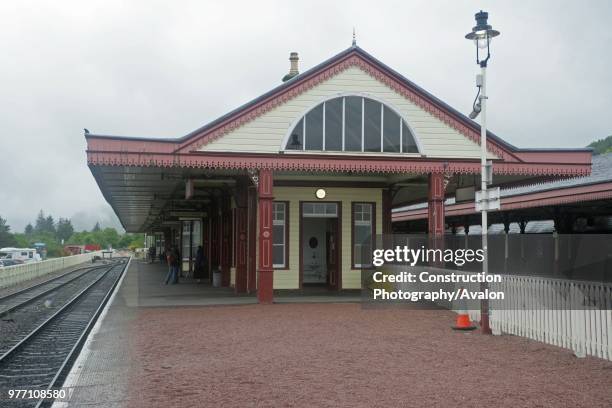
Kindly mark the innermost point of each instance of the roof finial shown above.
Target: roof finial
(354, 38)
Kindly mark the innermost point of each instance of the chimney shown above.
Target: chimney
(293, 70)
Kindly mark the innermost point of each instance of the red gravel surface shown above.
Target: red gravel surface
(340, 355)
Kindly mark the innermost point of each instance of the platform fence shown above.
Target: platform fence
(572, 314)
(566, 313)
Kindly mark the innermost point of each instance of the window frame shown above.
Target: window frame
(373, 230)
(285, 266)
(343, 96)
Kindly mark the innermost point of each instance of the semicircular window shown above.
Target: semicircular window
(352, 124)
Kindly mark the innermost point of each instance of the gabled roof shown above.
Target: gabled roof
(512, 159)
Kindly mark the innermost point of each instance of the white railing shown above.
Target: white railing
(567, 313)
(13, 275)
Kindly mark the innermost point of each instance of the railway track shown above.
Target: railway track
(22, 311)
(41, 359)
(15, 300)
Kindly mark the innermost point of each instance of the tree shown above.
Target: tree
(39, 226)
(602, 146)
(96, 227)
(64, 229)
(6, 238)
(49, 224)
(44, 224)
(29, 229)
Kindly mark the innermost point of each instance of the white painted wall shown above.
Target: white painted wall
(265, 134)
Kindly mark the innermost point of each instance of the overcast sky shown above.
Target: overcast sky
(165, 68)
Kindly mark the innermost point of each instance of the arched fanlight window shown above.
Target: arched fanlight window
(352, 124)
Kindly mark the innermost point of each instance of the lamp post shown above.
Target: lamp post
(482, 35)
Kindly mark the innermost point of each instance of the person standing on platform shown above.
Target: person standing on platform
(171, 277)
(198, 267)
(176, 264)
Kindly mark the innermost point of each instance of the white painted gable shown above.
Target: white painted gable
(265, 134)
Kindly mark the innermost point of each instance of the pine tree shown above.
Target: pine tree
(6, 238)
(50, 224)
(29, 229)
(96, 227)
(64, 229)
(39, 226)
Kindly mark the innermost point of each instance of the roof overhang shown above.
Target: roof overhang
(551, 197)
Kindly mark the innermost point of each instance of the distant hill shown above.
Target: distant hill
(602, 145)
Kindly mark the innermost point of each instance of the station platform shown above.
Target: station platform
(101, 373)
(191, 345)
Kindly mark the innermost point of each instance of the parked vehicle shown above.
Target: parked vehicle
(7, 262)
(20, 254)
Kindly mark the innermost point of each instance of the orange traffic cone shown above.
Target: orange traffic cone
(463, 318)
(463, 322)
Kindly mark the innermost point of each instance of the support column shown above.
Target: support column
(265, 273)
(387, 197)
(214, 237)
(435, 207)
(252, 240)
(241, 248)
(226, 237)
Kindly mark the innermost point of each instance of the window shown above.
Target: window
(279, 234)
(371, 125)
(196, 237)
(333, 124)
(314, 129)
(363, 234)
(320, 210)
(391, 131)
(296, 140)
(186, 241)
(408, 143)
(352, 124)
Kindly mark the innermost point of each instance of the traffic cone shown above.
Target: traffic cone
(463, 318)
(463, 322)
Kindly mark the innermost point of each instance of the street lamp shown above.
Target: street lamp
(482, 35)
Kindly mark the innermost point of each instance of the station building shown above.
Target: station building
(287, 190)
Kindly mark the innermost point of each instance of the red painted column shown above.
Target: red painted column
(241, 250)
(265, 273)
(252, 240)
(241, 244)
(435, 208)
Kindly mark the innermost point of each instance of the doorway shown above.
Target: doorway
(319, 244)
